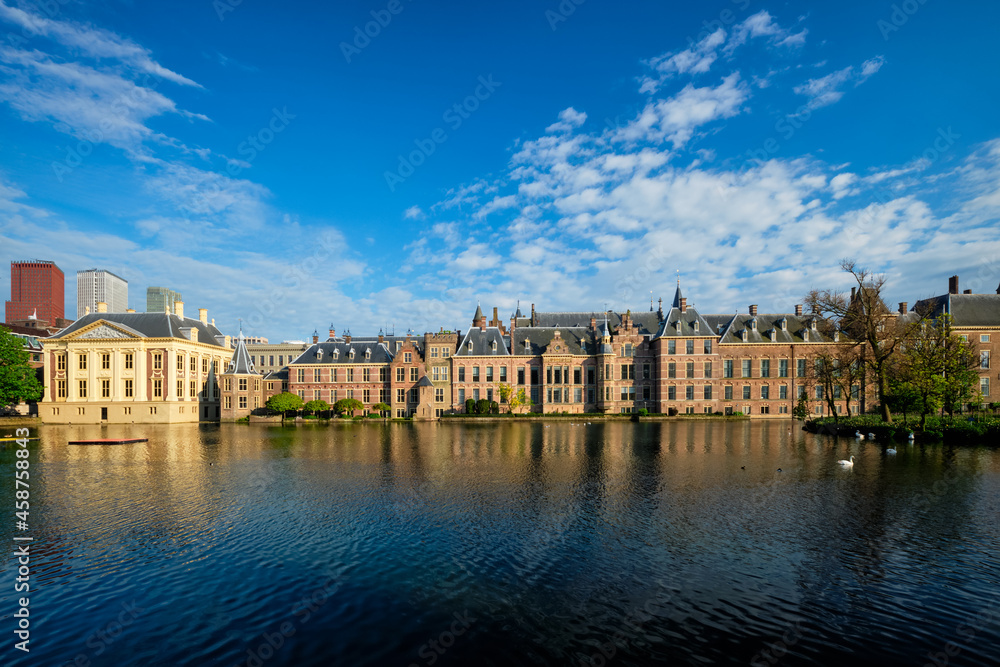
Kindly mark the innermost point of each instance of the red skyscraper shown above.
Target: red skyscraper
(36, 288)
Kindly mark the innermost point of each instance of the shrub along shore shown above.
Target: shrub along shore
(958, 430)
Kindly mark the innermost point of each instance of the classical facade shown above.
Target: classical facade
(134, 367)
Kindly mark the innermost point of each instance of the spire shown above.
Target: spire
(518, 313)
(241, 363)
(478, 316)
(677, 295)
(604, 330)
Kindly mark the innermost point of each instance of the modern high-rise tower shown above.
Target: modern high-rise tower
(161, 299)
(96, 285)
(37, 289)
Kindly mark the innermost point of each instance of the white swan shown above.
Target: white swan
(847, 464)
(911, 436)
(890, 451)
(857, 434)
(871, 436)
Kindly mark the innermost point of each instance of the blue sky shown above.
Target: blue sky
(276, 165)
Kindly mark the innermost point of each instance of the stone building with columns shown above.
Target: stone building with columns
(134, 368)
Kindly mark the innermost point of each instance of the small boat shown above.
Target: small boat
(108, 441)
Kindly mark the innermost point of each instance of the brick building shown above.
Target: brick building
(37, 291)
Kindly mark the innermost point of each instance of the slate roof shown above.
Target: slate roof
(390, 341)
(687, 324)
(482, 343)
(648, 323)
(425, 382)
(150, 325)
(241, 364)
(578, 340)
(967, 310)
(278, 375)
(794, 331)
(340, 353)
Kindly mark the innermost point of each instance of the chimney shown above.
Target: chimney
(315, 336)
(798, 310)
(333, 333)
(533, 310)
(130, 310)
(102, 307)
(496, 320)
(203, 316)
(953, 285)
(968, 291)
(684, 304)
(179, 309)
(903, 307)
(381, 337)
(593, 323)
(753, 310)
(347, 338)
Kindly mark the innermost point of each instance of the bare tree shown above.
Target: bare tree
(865, 318)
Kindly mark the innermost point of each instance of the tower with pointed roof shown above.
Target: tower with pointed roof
(242, 386)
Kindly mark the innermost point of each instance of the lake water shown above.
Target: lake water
(496, 544)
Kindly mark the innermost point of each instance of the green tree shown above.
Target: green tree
(18, 380)
(470, 406)
(348, 405)
(482, 407)
(514, 398)
(284, 402)
(317, 405)
(801, 409)
(382, 408)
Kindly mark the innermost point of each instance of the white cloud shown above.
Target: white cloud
(92, 42)
(826, 90)
(414, 213)
(569, 119)
(675, 119)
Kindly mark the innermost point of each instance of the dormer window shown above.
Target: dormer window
(694, 325)
(368, 353)
(784, 324)
(774, 335)
(319, 354)
(721, 327)
(527, 345)
(744, 335)
(812, 324)
(493, 345)
(836, 336)
(805, 336)
(336, 353)
(677, 325)
(469, 347)
(351, 353)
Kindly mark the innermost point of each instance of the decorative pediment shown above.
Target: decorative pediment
(104, 331)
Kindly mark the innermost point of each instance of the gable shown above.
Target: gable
(102, 330)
